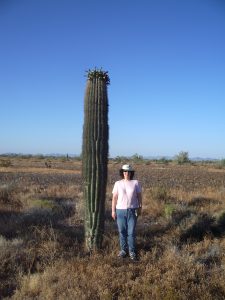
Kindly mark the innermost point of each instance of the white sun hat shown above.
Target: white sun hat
(127, 168)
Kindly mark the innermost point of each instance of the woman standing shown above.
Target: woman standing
(127, 200)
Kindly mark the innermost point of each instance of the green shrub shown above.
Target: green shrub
(169, 210)
(162, 160)
(137, 158)
(182, 158)
(221, 164)
(221, 219)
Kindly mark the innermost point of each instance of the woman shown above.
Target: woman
(126, 201)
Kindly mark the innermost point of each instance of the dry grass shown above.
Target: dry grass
(180, 235)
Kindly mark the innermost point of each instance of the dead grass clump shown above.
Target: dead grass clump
(9, 196)
(60, 191)
(201, 201)
(42, 247)
(11, 254)
(208, 201)
(205, 204)
(152, 206)
(5, 163)
(160, 193)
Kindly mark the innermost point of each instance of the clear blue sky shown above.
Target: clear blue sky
(166, 62)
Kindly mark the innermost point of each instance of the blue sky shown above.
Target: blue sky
(166, 62)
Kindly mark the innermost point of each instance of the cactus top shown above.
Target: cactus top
(98, 74)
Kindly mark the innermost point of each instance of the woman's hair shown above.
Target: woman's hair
(131, 174)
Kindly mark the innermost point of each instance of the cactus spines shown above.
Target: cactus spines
(92, 74)
(95, 156)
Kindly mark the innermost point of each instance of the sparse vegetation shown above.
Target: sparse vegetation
(221, 163)
(5, 163)
(180, 235)
(182, 158)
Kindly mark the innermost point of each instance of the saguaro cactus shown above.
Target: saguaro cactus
(95, 156)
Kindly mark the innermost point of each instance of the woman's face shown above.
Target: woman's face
(126, 175)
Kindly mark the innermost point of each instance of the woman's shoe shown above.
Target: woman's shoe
(122, 254)
(133, 256)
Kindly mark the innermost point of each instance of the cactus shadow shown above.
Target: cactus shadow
(20, 224)
(204, 225)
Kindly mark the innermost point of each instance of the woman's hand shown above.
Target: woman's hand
(114, 215)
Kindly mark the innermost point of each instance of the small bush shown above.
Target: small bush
(160, 193)
(5, 163)
(221, 164)
(6, 193)
(9, 195)
(221, 220)
(169, 210)
(11, 254)
(182, 158)
(163, 160)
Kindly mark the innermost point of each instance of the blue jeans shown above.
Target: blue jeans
(126, 221)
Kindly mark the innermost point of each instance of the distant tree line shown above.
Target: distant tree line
(181, 158)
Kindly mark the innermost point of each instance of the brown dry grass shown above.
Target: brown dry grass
(180, 235)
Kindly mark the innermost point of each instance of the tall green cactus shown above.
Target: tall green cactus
(95, 156)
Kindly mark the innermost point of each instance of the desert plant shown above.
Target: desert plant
(221, 220)
(137, 158)
(221, 164)
(9, 195)
(169, 209)
(162, 160)
(95, 156)
(160, 193)
(121, 159)
(182, 158)
(5, 163)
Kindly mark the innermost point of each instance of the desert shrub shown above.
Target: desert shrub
(160, 193)
(9, 195)
(121, 159)
(163, 160)
(221, 220)
(5, 163)
(221, 164)
(5, 193)
(24, 156)
(11, 255)
(182, 158)
(152, 207)
(39, 156)
(137, 158)
(169, 210)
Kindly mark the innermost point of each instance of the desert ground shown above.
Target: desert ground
(180, 234)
